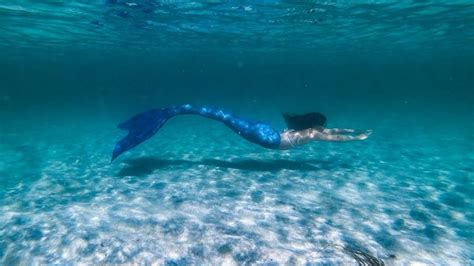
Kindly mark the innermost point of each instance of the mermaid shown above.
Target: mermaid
(301, 128)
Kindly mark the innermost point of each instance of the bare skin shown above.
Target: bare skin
(292, 138)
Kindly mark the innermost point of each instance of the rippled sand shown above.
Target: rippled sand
(197, 194)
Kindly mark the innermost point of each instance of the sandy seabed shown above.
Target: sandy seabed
(204, 196)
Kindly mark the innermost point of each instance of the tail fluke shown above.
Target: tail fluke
(140, 128)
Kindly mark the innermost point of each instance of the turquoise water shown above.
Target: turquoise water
(197, 193)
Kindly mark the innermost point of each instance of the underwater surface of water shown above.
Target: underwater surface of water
(198, 194)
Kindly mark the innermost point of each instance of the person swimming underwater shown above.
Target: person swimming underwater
(301, 128)
(311, 126)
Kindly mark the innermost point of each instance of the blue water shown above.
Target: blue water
(197, 193)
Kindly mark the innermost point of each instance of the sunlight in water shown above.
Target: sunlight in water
(395, 76)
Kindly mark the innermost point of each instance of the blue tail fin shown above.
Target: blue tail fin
(140, 128)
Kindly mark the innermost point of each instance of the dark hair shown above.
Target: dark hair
(305, 121)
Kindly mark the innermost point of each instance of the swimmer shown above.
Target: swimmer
(301, 128)
(309, 127)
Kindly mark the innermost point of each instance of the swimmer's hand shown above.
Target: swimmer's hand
(364, 135)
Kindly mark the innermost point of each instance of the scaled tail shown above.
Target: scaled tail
(144, 125)
(140, 128)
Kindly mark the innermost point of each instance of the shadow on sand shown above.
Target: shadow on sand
(147, 165)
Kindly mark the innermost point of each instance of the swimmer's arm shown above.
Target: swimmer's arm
(338, 131)
(316, 135)
(297, 138)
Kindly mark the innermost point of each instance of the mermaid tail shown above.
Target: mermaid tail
(140, 128)
(144, 125)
